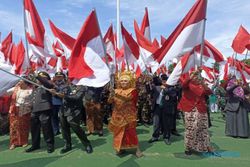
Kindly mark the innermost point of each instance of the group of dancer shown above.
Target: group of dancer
(57, 106)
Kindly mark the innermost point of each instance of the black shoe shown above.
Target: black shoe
(175, 133)
(167, 141)
(50, 150)
(65, 149)
(89, 149)
(188, 152)
(100, 134)
(32, 149)
(57, 133)
(153, 140)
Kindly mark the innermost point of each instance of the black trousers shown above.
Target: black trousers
(175, 117)
(163, 120)
(42, 119)
(68, 122)
(168, 118)
(157, 122)
(55, 119)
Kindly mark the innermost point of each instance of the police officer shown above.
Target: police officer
(41, 114)
(71, 115)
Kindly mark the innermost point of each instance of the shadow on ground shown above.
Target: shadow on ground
(37, 162)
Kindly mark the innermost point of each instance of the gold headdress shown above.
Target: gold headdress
(127, 75)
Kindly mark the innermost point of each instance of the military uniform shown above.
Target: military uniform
(70, 117)
(41, 115)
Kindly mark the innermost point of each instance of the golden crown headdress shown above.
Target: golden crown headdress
(127, 75)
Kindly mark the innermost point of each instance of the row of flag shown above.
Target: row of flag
(91, 57)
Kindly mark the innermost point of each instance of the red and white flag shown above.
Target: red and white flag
(109, 40)
(241, 40)
(7, 80)
(163, 40)
(187, 35)
(186, 63)
(60, 63)
(86, 66)
(146, 49)
(5, 46)
(20, 66)
(145, 26)
(156, 43)
(131, 49)
(66, 41)
(208, 73)
(39, 45)
(211, 52)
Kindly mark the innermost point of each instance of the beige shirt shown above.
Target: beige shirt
(23, 97)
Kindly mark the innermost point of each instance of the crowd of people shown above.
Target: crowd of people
(58, 106)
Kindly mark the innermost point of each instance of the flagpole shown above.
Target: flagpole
(22, 78)
(105, 53)
(203, 41)
(118, 24)
(104, 48)
(246, 54)
(234, 60)
(203, 37)
(26, 41)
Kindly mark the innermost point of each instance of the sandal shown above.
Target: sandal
(12, 147)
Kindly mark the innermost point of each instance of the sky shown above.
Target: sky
(223, 17)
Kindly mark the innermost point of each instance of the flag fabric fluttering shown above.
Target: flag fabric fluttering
(86, 66)
(211, 52)
(241, 40)
(187, 35)
(131, 50)
(109, 41)
(6, 46)
(146, 49)
(186, 63)
(20, 62)
(65, 40)
(7, 80)
(38, 44)
(145, 26)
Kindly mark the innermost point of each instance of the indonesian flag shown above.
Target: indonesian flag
(231, 66)
(246, 72)
(241, 40)
(39, 45)
(156, 43)
(86, 66)
(12, 54)
(60, 62)
(146, 49)
(131, 49)
(66, 41)
(211, 52)
(163, 40)
(21, 62)
(109, 40)
(187, 35)
(7, 80)
(186, 63)
(6, 46)
(208, 73)
(145, 27)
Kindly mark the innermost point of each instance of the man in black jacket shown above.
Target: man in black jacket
(41, 114)
(71, 116)
(168, 106)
